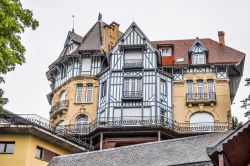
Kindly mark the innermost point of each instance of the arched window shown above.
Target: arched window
(202, 121)
(81, 123)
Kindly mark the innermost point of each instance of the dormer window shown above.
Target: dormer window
(198, 58)
(198, 53)
(71, 48)
(166, 51)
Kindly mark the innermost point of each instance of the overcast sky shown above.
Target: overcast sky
(27, 86)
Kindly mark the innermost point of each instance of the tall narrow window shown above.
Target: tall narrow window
(104, 89)
(210, 89)
(189, 90)
(200, 89)
(79, 89)
(163, 87)
(89, 93)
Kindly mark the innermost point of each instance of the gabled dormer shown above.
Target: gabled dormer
(198, 53)
(134, 50)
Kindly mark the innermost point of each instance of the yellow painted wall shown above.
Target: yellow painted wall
(75, 109)
(221, 110)
(25, 150)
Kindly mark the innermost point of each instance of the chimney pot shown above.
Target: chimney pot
(221, 36)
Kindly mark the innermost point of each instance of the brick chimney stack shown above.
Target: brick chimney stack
(221, 36)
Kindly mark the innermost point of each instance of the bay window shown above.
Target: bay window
(132, 87)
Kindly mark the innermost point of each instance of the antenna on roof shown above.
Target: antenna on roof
(73, 22)
(99, 17)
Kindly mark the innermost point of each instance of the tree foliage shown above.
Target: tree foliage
(235, 123)
(246, 101)
(13, 21)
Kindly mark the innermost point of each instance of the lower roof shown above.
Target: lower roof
(189, 150)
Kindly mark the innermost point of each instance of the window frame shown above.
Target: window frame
(41, 153)
(166, 51)
(79, 93)
(89, 91)
(6, 143)
(104, 89)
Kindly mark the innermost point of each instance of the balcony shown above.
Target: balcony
(59, 108)
(132, 95)
(201, 98)
(132, 63)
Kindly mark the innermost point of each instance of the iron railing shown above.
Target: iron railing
(37, 121)
(130, 63)
(59, 105)
(70, 132)
(132, 94)
(211, 96)
(150, 121)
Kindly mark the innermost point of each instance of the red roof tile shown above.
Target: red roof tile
(217, 53)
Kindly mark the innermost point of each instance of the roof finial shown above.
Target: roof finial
(73, 21)
(100, 17)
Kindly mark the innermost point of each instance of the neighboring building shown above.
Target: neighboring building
(74, 84)
(206, 77)
(219, 149)
(29, 141)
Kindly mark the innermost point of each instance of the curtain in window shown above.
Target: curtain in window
(79, 89)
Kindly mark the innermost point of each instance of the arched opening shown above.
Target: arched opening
(202, 122)
(81, 123)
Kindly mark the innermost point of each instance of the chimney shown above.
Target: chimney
(221, 36)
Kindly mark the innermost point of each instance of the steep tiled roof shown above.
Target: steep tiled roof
(217, 53)
(190, 150)
(92, 41)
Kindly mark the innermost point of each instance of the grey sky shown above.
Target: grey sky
(27, 86)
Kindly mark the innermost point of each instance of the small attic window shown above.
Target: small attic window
(167, 51)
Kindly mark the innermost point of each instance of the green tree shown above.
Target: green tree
(13, 22)
(246, 101)
(235, 123)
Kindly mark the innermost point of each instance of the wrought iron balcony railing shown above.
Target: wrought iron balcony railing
(200, 97)
(128, 95)
(133, 63)
(58, 107)
(151, 121)
(33, 120)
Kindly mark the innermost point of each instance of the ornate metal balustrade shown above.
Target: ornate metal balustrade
(200, 97)
(37, 121)
(137, 121)
(59, 107)
(128, 95)
(133, 63)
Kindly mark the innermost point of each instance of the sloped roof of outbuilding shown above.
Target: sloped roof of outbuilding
(189, 150)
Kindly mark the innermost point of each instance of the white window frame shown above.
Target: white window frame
(200, 89)
(167, 51)
(79, 93)
(89, 93)
(190, 89)
(210, 89)
(132, 85)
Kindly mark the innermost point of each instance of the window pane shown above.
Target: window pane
(79, 89)
(89, 93)
(2, 147)
(104, 89)
(39, 153)
(10, 148)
